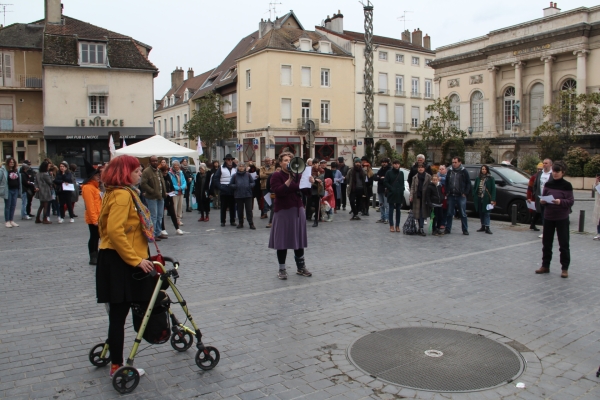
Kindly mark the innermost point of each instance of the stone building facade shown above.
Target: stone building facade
(498, 83)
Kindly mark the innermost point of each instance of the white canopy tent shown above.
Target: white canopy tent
(158, 146)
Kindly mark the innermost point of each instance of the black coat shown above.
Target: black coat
(379, 177)
(201, 191)
(62, 178)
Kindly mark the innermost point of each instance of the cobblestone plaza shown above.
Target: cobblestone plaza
(289, 339)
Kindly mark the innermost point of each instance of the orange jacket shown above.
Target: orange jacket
(93, 202)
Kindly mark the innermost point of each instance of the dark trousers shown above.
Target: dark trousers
(394, 207)
(356, 198)
(246, 203)
(282, 255)
(29, 200)
(186, 196)
(94, 238)
(438, 217)
(65, 199)
(44, 206)
(203, 206)
(54, 204)
(227, 201)
(562, 231)
(170, 206)
(343, 198)
(117, 315)
(313, 201)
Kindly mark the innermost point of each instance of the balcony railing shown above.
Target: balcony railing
(302, 123)
(30, 81)
(415, 95)
(383, 91)
(383, 125)
(400, 93)
(428, 95)
(286, 120)
(401, 127)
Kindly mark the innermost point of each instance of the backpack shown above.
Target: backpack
(410, 225)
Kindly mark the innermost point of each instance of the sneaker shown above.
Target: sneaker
(282, 274)
(14, 224)
(164, 233)
(380, 221)
(541, 236)
(8, 225)
(179, 232)
(71, 220)
(60, 220)
(114, 368)
(26, 217)
(269, 225)
(597, 237)
(303, 272)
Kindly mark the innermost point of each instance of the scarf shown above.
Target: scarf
(480, 189)
(142, 210)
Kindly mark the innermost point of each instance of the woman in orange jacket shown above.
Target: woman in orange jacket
(90, 190)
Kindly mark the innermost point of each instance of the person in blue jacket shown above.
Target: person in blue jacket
(179, 186)
(242, 185)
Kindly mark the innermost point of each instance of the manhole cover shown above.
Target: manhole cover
(435, 359)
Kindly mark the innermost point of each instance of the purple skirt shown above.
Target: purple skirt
(289, 229)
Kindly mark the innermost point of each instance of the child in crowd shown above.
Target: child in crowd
(329, 198)
(435, 199)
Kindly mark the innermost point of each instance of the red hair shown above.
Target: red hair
(118, 171)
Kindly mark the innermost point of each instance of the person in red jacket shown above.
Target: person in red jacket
(329, 198)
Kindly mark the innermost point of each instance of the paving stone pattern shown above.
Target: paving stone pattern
(288, 339)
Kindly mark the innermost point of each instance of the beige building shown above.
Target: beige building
(95, 82)
(291, 76)
(174, 110)
(402, 83)
(21, 110)
(498, 83)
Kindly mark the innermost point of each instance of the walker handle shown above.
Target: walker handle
(172, 261)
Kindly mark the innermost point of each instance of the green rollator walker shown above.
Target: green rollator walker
(126, 378)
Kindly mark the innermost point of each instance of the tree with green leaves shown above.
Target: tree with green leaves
(208, 122)
(566, 120)
(441, 125)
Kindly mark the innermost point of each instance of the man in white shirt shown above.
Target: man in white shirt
(538, 186)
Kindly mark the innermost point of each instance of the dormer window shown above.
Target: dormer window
(165, 102)
(305, 44)
(208, 82)
(172, 102)
(228, 74)
(92, 53)
(186, 95)
(324, 47)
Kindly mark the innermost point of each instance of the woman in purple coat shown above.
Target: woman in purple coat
(289, 218)
(556, 218)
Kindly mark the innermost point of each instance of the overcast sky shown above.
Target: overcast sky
(200, 33)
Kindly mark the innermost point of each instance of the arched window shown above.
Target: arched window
(509, 109)
(455, 107)
(477, 111)
(567, 101)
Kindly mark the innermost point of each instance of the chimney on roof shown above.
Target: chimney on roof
(190, 73)
(328, 23)
(337, 22)
(417, 37)
(176, 78)
(53, 11)
(406, 36)
(264, 27)
(427, 42)
(553, 9)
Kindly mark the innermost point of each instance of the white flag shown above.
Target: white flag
(124, 144)
(199, 148)
(111, 146)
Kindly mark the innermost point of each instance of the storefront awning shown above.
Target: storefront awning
(92, 133)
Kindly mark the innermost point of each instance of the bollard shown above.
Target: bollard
(581, 220)
(513, 214)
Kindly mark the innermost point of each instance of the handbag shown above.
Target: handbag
(410, 225)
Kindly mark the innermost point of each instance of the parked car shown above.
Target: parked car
(511, 188)
(406, 189)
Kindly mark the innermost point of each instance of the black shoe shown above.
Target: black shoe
(222, 223)
(466, 233)
(446, 232)
(422, 232)
(282, 274)
(482, 229)
(487, 230)
(315, 224)
(252, 226)
(75, 216)
(233, 224)
(534, 228)
(188, 210)
(240, 226)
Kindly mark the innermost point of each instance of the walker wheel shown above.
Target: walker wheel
(182, 340)
(95, 357)
(208, 358)
(126, 379)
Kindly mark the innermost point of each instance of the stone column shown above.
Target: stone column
(581, 71)
(519, 65)
(548, 60)
(492, 93)
(436, 87)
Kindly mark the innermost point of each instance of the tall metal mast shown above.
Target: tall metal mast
(369, 125)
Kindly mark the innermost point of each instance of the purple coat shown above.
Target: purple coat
(559, 189)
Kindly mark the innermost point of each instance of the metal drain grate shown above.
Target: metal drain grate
(434, 359)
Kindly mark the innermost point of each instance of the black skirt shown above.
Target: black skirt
(118, 282)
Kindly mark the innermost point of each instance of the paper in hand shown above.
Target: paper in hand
(268, 199)
(489, 207)
(547, 199)
(531, 205)
(172, 194)
(68, 187)
(304, 181)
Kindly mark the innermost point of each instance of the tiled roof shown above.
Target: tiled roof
(381, 40)
(60, 45)
(23, 36)
(284, 39)
(192, 85)
(227, 64)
